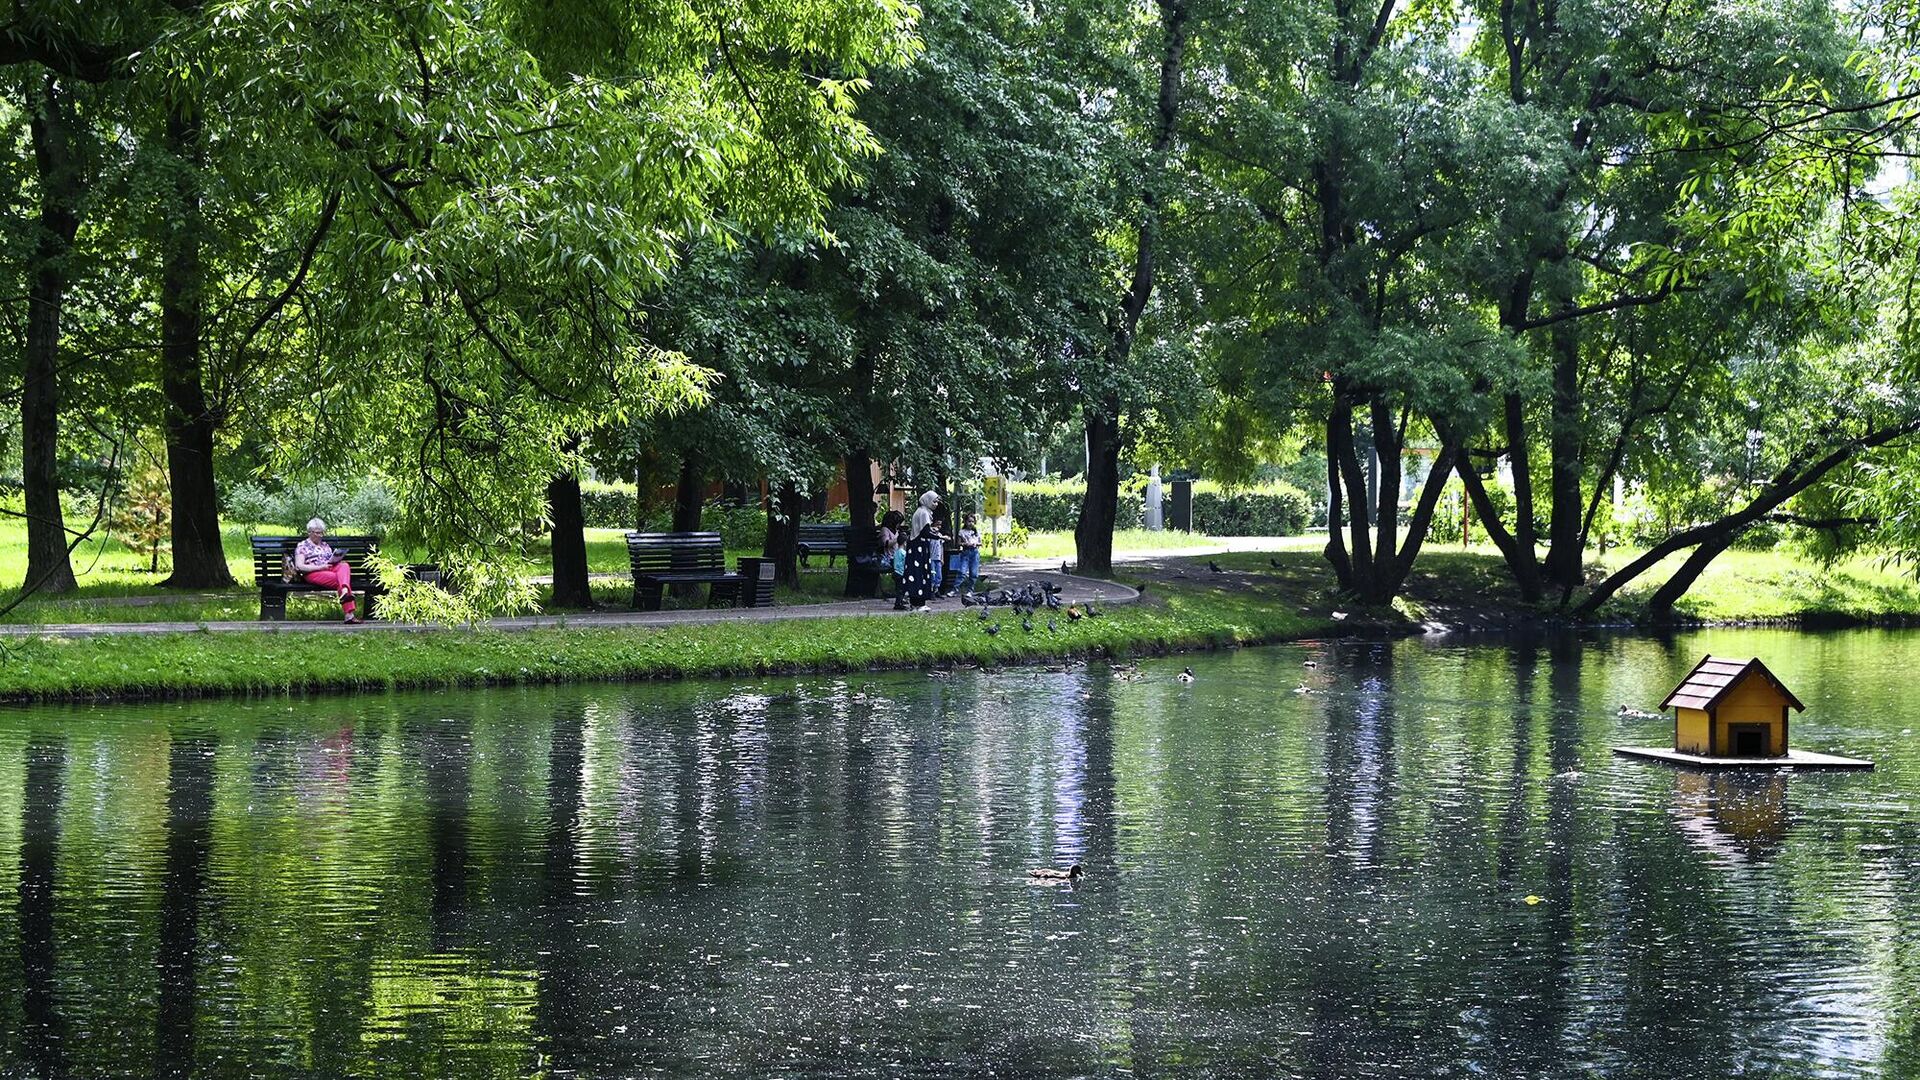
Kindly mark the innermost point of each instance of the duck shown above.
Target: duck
(1048, 873)
(1628, 712)
(1186, 675)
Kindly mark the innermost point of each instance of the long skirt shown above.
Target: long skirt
(916, 581)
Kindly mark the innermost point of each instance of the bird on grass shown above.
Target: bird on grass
(1092, 612)
(1275, 563)
(1064, 568)
(1186, 675)
(1074, 614)
(1027, 625)
(1050, 874)
(993, 630)
(985, 614)
(1052, 629)
(1215, 567)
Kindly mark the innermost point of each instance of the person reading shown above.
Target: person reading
(320, 563)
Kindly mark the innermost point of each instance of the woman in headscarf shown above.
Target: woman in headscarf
(916, 584)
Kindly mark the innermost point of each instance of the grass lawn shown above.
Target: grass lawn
(199, 663)
(1059, 545)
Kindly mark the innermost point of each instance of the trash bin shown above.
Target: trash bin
(756, 586)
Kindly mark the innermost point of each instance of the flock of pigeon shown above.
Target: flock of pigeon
(1026, 602)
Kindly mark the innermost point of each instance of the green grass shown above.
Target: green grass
(35, 669)
(1059, 545)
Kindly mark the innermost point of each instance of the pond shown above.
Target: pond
(1430, 865)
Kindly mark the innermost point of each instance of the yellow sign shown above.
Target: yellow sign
(993, 490)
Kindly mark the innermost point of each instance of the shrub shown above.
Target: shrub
(367, 507)
(1054, 506)
(607, 507)
(1274, 510)
(741, 528)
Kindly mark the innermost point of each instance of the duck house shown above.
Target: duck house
(1734, 713)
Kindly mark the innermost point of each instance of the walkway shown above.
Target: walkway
(1073, 589)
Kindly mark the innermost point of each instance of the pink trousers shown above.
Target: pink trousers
(339, 578)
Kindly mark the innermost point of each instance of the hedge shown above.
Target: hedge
(1059, 510)
(1278, 510)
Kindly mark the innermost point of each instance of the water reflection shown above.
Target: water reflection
(826, 877)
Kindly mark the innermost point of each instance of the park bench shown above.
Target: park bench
(688, 558)
(821, 539)
(271, 555)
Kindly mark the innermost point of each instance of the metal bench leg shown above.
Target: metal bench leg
(273, 607)
(647, 597)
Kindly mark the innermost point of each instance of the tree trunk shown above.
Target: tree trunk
(1660, 604)
(1796, 477)
(49, 570)
(859, 476)
(199, 560)
(1345, 466)
(783, 534)
(1565, 560)
(1417, 525)
(1336, 550)
(689, 495)
(1093, 533)
(571, 585)
(1520, 561)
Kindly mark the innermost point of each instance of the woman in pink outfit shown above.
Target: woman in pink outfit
(320, 563)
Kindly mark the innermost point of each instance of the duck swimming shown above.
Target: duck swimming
(1048, 873)
(1186, 675)
(1628, 712)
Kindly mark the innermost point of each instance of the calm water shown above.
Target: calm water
(826, 876)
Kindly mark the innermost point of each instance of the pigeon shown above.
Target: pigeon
(993, 630)
(966, 599)
(1027, 625)
(1064, 568)
(1091, 612)
(1215, 567)
(985, 612)
(1275, 563)
(1052, 629)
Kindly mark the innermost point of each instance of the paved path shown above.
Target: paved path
(1073, 589)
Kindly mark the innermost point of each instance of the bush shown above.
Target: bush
(1275, 510)
(1055, 507)
(367, 507)
(607, 507)
(741, 528)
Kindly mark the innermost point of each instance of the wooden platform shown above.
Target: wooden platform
(1795, 759)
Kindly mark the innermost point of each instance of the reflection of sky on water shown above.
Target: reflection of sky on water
(827, 877)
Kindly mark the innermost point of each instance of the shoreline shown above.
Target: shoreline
(200, 666)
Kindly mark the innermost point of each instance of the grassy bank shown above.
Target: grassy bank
(42, 669)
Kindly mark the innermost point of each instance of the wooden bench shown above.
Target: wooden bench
(690, 558)
(821, 539)
(270, 555)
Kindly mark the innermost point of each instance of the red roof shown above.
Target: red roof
(1713, 676)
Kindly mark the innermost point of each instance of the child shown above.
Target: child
(965, 571)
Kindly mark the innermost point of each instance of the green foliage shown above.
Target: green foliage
(363, 507)
(1276, 510)
(142, 517)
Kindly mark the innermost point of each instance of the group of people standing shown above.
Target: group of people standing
(928, 560)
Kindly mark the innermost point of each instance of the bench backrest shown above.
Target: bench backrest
(659, 553)
(822, 536)
(271, 552)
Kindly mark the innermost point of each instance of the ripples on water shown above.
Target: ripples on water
(1292, 871)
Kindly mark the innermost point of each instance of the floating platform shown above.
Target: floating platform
(1795, 759)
